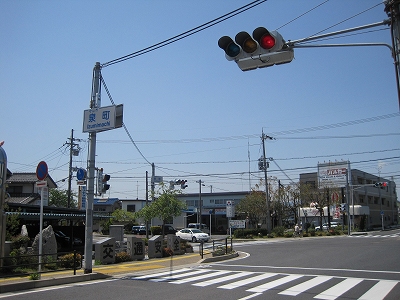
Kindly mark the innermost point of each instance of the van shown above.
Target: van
(202, 227)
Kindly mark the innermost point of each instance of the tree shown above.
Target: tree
(254, 206)
(59, 198)
(165, 207)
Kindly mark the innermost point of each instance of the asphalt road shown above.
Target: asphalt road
(341, 267)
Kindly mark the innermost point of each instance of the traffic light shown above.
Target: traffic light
(381, 184)
(106, 186)
(343, 207)
(183, 184)
(264, 49)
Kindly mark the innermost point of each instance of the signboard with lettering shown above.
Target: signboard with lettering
(230, 209)
(333, 174)
(102, 118)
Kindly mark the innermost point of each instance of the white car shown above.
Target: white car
(193, 234)
(325, 226)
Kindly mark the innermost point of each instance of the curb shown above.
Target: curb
(50, 282)
(219, 258)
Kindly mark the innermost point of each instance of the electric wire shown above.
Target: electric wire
(186, 33)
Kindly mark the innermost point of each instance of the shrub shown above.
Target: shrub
(34, 276)
(278, 231)
(67, 260)
(167, 252)
(122, 257)
(20, 241)
(156, 230)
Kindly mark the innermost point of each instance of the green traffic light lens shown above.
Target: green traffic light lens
(232, 50)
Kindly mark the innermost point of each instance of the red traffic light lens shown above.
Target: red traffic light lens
(384, 184)
(267, 41)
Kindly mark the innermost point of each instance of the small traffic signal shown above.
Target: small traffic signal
(343, 207)
(381, 184)
(264, 49)
(105, 185)
(183, 184)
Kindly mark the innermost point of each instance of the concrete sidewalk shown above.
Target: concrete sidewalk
(106, 271)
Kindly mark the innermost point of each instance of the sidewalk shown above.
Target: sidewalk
(105, 271)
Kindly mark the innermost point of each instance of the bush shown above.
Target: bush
(278, 231)
(67, 261)
(167, 252)
(20, 241)
(156, 230)
(122, 257)
(250, 233)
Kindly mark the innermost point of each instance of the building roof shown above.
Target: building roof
(23, 200)
(29, 178)
(105, 201)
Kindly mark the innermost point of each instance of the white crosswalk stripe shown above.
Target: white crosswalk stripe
(263, 282)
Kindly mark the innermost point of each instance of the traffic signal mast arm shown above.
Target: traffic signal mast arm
(295, 43)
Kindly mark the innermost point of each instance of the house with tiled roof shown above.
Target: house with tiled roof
(21, 188)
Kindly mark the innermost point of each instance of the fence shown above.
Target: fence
(28, 264)
(219, 247)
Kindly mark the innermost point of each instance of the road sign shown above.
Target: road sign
(41, 170)
(81, 174)
(40, 184)
(230, 209)
(382, 212)
(237, 223)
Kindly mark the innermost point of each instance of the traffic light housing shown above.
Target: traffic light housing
(183, 184)
(343, 207)
(105, 186)
(264, 49)
(381, 184)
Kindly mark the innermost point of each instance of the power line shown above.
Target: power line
(186, 33)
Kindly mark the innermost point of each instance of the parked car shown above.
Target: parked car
(63, 241)
(168, 229)
(193, 234)
(139, 230)
(202, 227)
(325, 226)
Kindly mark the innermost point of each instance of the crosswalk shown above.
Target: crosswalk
(394, 235)
(257, 283)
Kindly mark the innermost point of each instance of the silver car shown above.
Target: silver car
(193, 234)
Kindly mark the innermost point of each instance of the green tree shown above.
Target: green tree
(59, 198)
(253, 206)
(165, 207)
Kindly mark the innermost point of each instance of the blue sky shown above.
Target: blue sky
(194, 114)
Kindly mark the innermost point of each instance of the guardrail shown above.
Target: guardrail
(28, 264)
(216, 245)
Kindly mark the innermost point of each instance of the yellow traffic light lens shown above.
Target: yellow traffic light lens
(249, 46)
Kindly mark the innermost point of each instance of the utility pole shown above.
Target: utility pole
(72, 152)
(392, 8)
(95, 102)
(263, 138)
(200, 204)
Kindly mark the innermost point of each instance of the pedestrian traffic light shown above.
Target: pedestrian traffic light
(343, 207)
(105, 185)
(381, 184)
(264, 49)
(183, 184)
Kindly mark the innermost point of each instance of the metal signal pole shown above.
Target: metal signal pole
(95, 102)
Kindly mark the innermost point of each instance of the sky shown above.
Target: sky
(191, 112)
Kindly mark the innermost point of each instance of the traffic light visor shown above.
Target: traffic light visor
(229, 46)
(264, 38)
(246, 42)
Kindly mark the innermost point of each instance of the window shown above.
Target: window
(383, 201)
(370, 200)
(14, 190)
(376, 200)
(131, 208)
(361, 198)
(360, 180)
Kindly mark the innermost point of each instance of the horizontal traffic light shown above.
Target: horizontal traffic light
(263, 49)
(381, 184)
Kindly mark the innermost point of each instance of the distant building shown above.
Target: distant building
(376, 206)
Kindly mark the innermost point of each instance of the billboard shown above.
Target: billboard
(333, 174)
